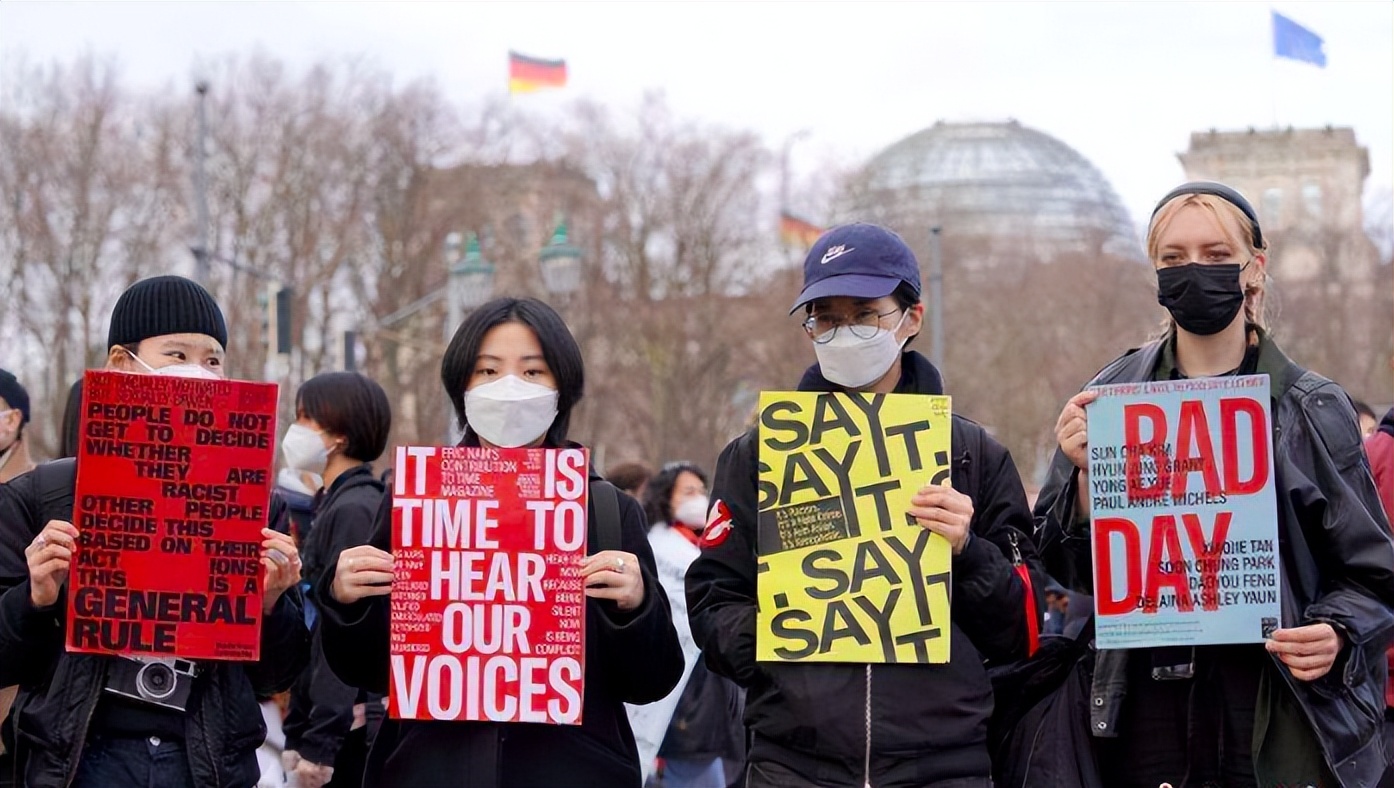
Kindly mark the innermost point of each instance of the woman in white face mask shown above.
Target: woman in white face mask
(860, 306)
(513, 372)
(696, 730)
(341, 426)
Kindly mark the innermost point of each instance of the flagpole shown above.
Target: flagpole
(1273, 66)
(784, 168)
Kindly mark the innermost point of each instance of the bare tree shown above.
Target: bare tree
(90, 192)
(679, 246)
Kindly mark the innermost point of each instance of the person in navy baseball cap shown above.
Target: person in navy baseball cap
(861, 304)
(861, 290)
(860, 261)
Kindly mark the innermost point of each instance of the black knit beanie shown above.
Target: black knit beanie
(165, 305)
(14, 394)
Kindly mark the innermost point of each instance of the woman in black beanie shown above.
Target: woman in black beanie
(68, 729)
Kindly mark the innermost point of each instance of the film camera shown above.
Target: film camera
(162, 681)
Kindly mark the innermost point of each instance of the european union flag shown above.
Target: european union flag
(1294, 41)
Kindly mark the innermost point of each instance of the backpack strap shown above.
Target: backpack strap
(55, 484)
(607, 515)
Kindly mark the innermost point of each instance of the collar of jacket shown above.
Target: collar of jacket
(917, 376)
(357, 476)
(1386, 424)
(1137, 365)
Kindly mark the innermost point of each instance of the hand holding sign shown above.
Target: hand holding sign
(945, 511)
(282, 562)
(613, 574)
(1309, 652)
(49, 556)
(1071, 429)
(362, 571)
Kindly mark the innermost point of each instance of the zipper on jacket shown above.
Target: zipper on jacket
(86, 725)
(866, 764)
(207, 747)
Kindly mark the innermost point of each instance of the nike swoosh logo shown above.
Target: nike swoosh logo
(834, 253)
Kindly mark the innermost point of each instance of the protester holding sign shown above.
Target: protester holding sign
(825, 724)
(94, 721)
(1309, 711)
(341, 426)
(513, 373)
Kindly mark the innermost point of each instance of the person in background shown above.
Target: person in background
(1303, 708)
(14, 460)
(75, 723)
(630, 477)
(14, 415)
(1379, 448)
(1368, 420)
(699, 736)
(342, 420)
(72, 419)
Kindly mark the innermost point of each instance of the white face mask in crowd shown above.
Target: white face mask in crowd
(195, 371)
(853, 362)
(692, 512)
(510, 411)
(304, 450)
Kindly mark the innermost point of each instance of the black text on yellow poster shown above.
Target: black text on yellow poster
(845, 575)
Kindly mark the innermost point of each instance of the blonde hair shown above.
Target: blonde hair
(1238, 231)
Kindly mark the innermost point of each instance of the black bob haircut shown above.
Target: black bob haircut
(559, 350)
(658, 493)
(348, 404)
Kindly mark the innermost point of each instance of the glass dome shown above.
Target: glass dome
(994, 181)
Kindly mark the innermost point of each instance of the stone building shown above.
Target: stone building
(1306, 185)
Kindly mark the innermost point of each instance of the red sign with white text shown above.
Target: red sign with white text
(488, 604)
(173, 483)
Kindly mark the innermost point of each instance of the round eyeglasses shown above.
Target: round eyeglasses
(865, 325)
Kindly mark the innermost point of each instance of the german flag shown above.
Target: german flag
(796, 232)
(529, 74)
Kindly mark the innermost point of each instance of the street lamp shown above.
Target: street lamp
(470, 285)
(471, 279)
(560, 263)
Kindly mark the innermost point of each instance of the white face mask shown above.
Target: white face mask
(304, 450)
(692, 512)
(853, 362)
(196, 371)
(510, 411)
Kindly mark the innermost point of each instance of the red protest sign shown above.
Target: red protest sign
(173, 480)
(488, 604)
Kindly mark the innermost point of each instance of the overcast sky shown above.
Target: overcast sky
(1124, 83)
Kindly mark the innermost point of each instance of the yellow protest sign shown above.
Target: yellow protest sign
(845, 574)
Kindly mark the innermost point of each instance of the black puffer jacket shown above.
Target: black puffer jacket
(59, 691)
(886, 725)
(321, 706)
(631, 657)
(1337, 558)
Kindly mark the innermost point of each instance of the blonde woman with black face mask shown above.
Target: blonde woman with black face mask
(1306, 707)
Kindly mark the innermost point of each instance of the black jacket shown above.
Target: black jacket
(924, 722)
(1337, 557)
(59, 691)
(631, 657)
(321, 706)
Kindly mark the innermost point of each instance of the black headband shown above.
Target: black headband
(1224, 193)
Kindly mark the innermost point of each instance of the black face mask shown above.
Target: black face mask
(1202, 299)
